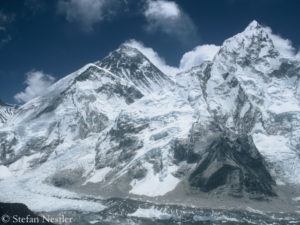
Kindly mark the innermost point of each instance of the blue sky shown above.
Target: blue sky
(42, 41)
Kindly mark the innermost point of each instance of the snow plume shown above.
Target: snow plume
(284, 46)
(153, 56)
(37, 82)
(192, 58)
(198, 55)
(167, 17)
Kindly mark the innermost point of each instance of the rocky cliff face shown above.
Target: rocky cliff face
(228, 126)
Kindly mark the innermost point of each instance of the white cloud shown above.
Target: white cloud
(198, 55)
(158, 61)
(189, 59)
(284, 46)
(85, 12)
(167, 17)
(37, 82)
(298, 55)
(161, 15)
(162, 9)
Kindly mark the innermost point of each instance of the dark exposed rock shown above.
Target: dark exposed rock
(125, 126)
(130, 94)
(137, 172)
(183, 151)
(287, 68)
(7, 143)
(126, 62)
(125, 137)
(87, 74)
(235, 165)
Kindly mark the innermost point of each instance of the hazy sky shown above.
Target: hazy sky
(42, 41)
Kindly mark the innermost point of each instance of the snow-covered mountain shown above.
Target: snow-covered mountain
(120, 127)
(6, 111)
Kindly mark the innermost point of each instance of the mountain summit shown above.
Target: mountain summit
(131, 65)
(226, 130)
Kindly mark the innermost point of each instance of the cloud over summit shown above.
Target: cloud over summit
(190, 59)
(153, 56)
(284, 46)
(198, 55)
